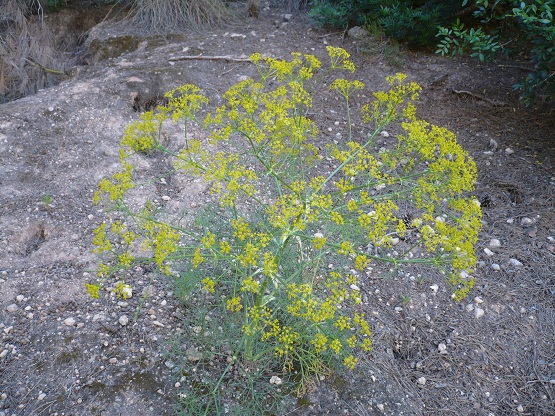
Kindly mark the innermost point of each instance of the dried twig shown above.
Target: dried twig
(209, 58)
(478, 97)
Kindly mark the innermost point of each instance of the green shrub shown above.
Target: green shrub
(414, 22)
(528, 24)
(271, 271)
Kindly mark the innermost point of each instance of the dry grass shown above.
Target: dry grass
(165, 16)
(30, 59)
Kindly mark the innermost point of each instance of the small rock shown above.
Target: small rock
(3, 353)
(158, 323)
(510, 220)
(12, 308)
(237, 36)
(520, 408)
(515, 263)
(123, 320)
(41, 396)
(494, 243)
(509, 151)
(551, 239)
(69, 321)
(488, 252)
(478, 300)
(493, 144)
(421, 381)
(275, 380)
(287, 17)
(533, 233)
(90, 217)
(434, 288)
(496, 267)
(384, 133)
(19, 298)
(478, 312)
(170, 364)
(442, 348)
(113, 360)
(522, 309)
(526, 222)
(357, 33)
(166, 198)
(469, 307)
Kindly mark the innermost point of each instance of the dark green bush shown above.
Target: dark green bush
(524, 26)
(414, 22)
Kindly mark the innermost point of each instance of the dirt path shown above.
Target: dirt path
(62, 353)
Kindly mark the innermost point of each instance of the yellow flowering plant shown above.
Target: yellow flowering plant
(292, 240)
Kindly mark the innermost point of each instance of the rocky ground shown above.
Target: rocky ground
(62, 353)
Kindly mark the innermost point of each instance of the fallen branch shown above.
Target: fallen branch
(209, 58)
(478, 97)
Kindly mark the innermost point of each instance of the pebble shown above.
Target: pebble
(113, 360)
(442, 348)
(421, 381)
(275, 380)
(488, 252)
(166, 198)
(496, 267)
(509, 151)
(41, 396)
(469, 307)
(3, 353)
(494, 243)
(384, 133)
(478, 300)
(12, 308)
(515, 262)
(520, 408)
(20, 298)
(434, 288)
(158, 323)
(526, 222)
(123, 320)
(478, 312)
(69, 321)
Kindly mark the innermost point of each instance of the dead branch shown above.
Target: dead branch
(209, 58)
(479, 97)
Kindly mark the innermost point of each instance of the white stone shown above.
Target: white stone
(478, 300)
(158, 323)
(488, 252)
(41, 396)
(123, 320)
(69, 321)
(469, 307)
(384, 133)
(509, 151)
(478, 312)
(526, 222)
(434, 288)
(12, 308)
(3, 353)
(421, 381)
(20, 298)
(275, 380)
(496, 267)
(494, 243)
(166, 198)
(520, 408)
(515, 263)
(442, 348)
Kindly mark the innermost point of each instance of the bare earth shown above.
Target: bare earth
(62, 353)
